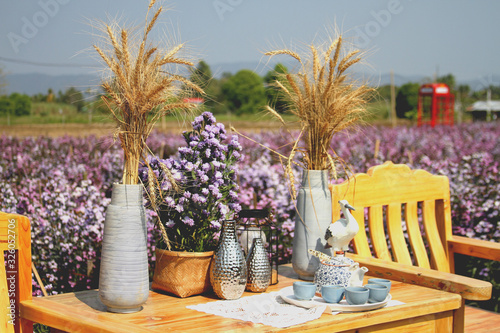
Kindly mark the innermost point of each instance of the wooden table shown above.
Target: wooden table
(425, 310)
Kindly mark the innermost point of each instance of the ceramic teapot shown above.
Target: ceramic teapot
(337, 270)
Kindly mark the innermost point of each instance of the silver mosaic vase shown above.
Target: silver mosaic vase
(228, 271)
(259, 268)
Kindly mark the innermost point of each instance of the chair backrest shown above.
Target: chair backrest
(391, 200)
(15, 268)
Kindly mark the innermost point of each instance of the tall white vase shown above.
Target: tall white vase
(314, 215)
(124, 278)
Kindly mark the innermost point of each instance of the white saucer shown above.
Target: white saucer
(288, 296)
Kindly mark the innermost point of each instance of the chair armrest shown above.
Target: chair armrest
(474, 247)
(468, 288)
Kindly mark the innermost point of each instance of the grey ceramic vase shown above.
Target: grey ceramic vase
(259, 268)
(123, 276)
(228, 271)
(314, 215)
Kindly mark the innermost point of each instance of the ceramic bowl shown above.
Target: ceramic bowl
(381, 281)
(303, 290)
(356, 295)
(378, 292)
(332, 293)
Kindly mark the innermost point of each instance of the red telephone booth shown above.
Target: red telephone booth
(435, 105)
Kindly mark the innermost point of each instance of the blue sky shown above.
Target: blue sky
(409, 37)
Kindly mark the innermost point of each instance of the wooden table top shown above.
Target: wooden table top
(83, 312)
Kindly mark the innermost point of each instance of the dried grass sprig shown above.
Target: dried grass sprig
(288, 52)
(140, 91)
(325, 98)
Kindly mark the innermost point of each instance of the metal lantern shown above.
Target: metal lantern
(258, 223)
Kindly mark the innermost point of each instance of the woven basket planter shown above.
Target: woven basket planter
(182, 273)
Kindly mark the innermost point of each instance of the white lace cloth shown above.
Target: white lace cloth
(268, 309)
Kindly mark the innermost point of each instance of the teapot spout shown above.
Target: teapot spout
(358, 273)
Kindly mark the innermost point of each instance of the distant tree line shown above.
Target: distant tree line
(247, 92)
(15, 105)
(244, 92)
(71, 96)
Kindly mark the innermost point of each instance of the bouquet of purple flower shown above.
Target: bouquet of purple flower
(204, 193)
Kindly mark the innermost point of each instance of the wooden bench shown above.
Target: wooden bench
(390, 197)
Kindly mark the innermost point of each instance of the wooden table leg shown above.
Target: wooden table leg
(26, 325)
(459, 319)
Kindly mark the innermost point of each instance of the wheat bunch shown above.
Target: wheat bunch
(325, 99)
(140, 91)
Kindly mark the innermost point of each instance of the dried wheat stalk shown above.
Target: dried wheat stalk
(140, 92)
(325, 99)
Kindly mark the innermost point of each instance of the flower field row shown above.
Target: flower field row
(63, 185)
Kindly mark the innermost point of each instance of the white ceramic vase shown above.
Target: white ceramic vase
(314, 215)
(123, 276)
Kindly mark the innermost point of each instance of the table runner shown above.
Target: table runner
(268, 309)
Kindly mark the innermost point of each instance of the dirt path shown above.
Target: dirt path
(82, 130)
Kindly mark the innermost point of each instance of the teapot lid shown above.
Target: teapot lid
(338, 261)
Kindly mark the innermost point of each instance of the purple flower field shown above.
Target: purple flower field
(63, 185)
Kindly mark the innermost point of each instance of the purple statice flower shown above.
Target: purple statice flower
(187, 220)
(208, 185)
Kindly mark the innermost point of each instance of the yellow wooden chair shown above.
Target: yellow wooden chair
(427, 258)
(15, 271)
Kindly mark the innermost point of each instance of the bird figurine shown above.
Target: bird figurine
(341, 232)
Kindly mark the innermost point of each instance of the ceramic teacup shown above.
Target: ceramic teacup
(356, 295)
(303, 290)
(381, 281)
(378, 292)
(332, 293)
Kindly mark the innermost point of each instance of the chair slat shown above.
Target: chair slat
(439, 260)
(443, 222)
(377, 233)
(360, 240)
(5, 326)
(415, 236)
(396, 236)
